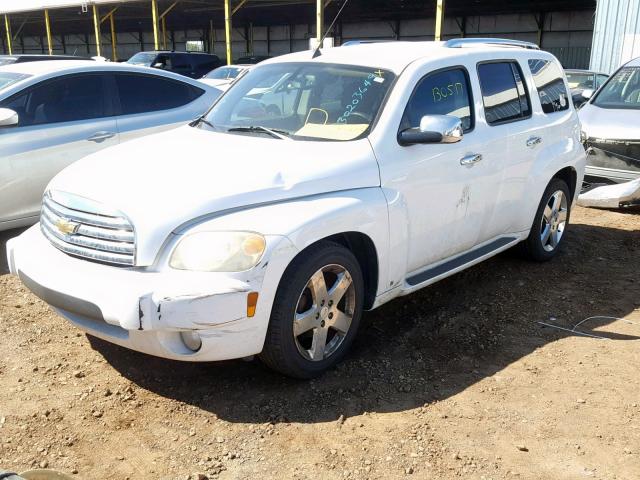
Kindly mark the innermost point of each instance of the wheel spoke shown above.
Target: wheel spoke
(318, 287)
(547, 213)
(318, 344)
(304, 321)
(562, 217)
(340, 287)
(341, 322)
(554, 238)
(544, 236)
(557, 201)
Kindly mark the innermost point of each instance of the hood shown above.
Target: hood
(216, 82)
(165, 180)
(610, 123)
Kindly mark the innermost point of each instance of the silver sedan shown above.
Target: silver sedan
(54, 113)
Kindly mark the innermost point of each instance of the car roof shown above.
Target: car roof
(397, 55)
(50, 66)
(583, 70)
(633, 63)
(175, 51)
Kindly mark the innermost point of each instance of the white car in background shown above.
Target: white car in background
(54, 113)
(223, 77)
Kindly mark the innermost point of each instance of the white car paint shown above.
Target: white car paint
(30, 156)
(418, 205)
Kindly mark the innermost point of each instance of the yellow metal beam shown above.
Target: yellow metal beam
(439, 19)
(96, 28)
(319, 20)
(114, 45)
(169, 8)
(238, 7)
(47, 25)
(154, 15)
(7, 26)
(227, 29)
(108, 15)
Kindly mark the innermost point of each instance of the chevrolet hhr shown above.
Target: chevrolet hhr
(271, 223)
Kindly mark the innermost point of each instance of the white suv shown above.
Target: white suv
(270, 224)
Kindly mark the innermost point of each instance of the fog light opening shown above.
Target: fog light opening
(191, 340)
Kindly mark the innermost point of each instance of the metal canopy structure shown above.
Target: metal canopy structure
(44, 18)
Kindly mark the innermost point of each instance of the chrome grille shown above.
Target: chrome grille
(101, 234)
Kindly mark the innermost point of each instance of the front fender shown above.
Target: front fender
(305, 221)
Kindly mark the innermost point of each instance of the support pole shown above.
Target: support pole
(227, 30)
(164, 33)
(154, 16)
(439, 19)
(114, 45)
(7, 27)
(47, 25)
(96, 27)
(319, 20)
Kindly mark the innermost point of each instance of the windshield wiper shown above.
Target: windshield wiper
(281, 134)
(200, 120)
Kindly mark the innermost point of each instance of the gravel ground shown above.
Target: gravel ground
(456, 381)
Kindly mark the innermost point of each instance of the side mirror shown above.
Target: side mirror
(433, 129)
(8, 118)
(587, 93)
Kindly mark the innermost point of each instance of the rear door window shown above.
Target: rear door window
(441, 93)
(548, 79)
(67, 99)
(504, 93)
(146, 93)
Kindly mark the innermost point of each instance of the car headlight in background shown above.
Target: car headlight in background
(218, 251)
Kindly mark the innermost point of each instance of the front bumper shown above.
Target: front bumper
(145, 310)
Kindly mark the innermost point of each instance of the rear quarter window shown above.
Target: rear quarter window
(549, 82)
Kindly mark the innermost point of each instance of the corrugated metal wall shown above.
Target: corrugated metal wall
(616, 34)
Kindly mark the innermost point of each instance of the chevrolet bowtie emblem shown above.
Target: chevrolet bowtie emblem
(66, 227)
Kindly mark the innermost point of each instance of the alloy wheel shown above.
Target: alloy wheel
(324, 313)
(554, 221)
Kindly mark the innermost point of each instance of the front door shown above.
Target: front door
(60, 121)
(448, 189)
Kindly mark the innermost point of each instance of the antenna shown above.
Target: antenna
(316, 52)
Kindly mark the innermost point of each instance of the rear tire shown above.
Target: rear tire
(550, 223)
(316, 312)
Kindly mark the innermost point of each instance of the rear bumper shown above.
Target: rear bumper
(145, 310)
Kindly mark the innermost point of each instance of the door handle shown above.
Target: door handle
(471, 159)
(533, 141)
(101, 136)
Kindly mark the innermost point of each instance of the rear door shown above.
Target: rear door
(152, 103)
(61, 121)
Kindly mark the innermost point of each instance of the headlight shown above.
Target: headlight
(218, 251)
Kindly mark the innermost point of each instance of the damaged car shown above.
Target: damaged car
(611, 138)
(269, 225)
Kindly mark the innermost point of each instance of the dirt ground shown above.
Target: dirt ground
(456, 381)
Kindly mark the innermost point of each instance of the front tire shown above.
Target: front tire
(316, 312)
(550, 223)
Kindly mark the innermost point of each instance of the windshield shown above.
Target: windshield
(9, 78)
(224, 73)
(142, 58)
(580, 80)
(621, 91)
(314, 101)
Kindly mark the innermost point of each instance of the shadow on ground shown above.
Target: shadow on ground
(4, 237)
(424, 347)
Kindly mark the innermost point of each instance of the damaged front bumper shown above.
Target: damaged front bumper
(146, 310)
(612, 196)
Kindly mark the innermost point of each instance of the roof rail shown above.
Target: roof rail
(505, 42)
(361, 42)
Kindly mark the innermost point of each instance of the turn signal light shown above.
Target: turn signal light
(252, 301)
